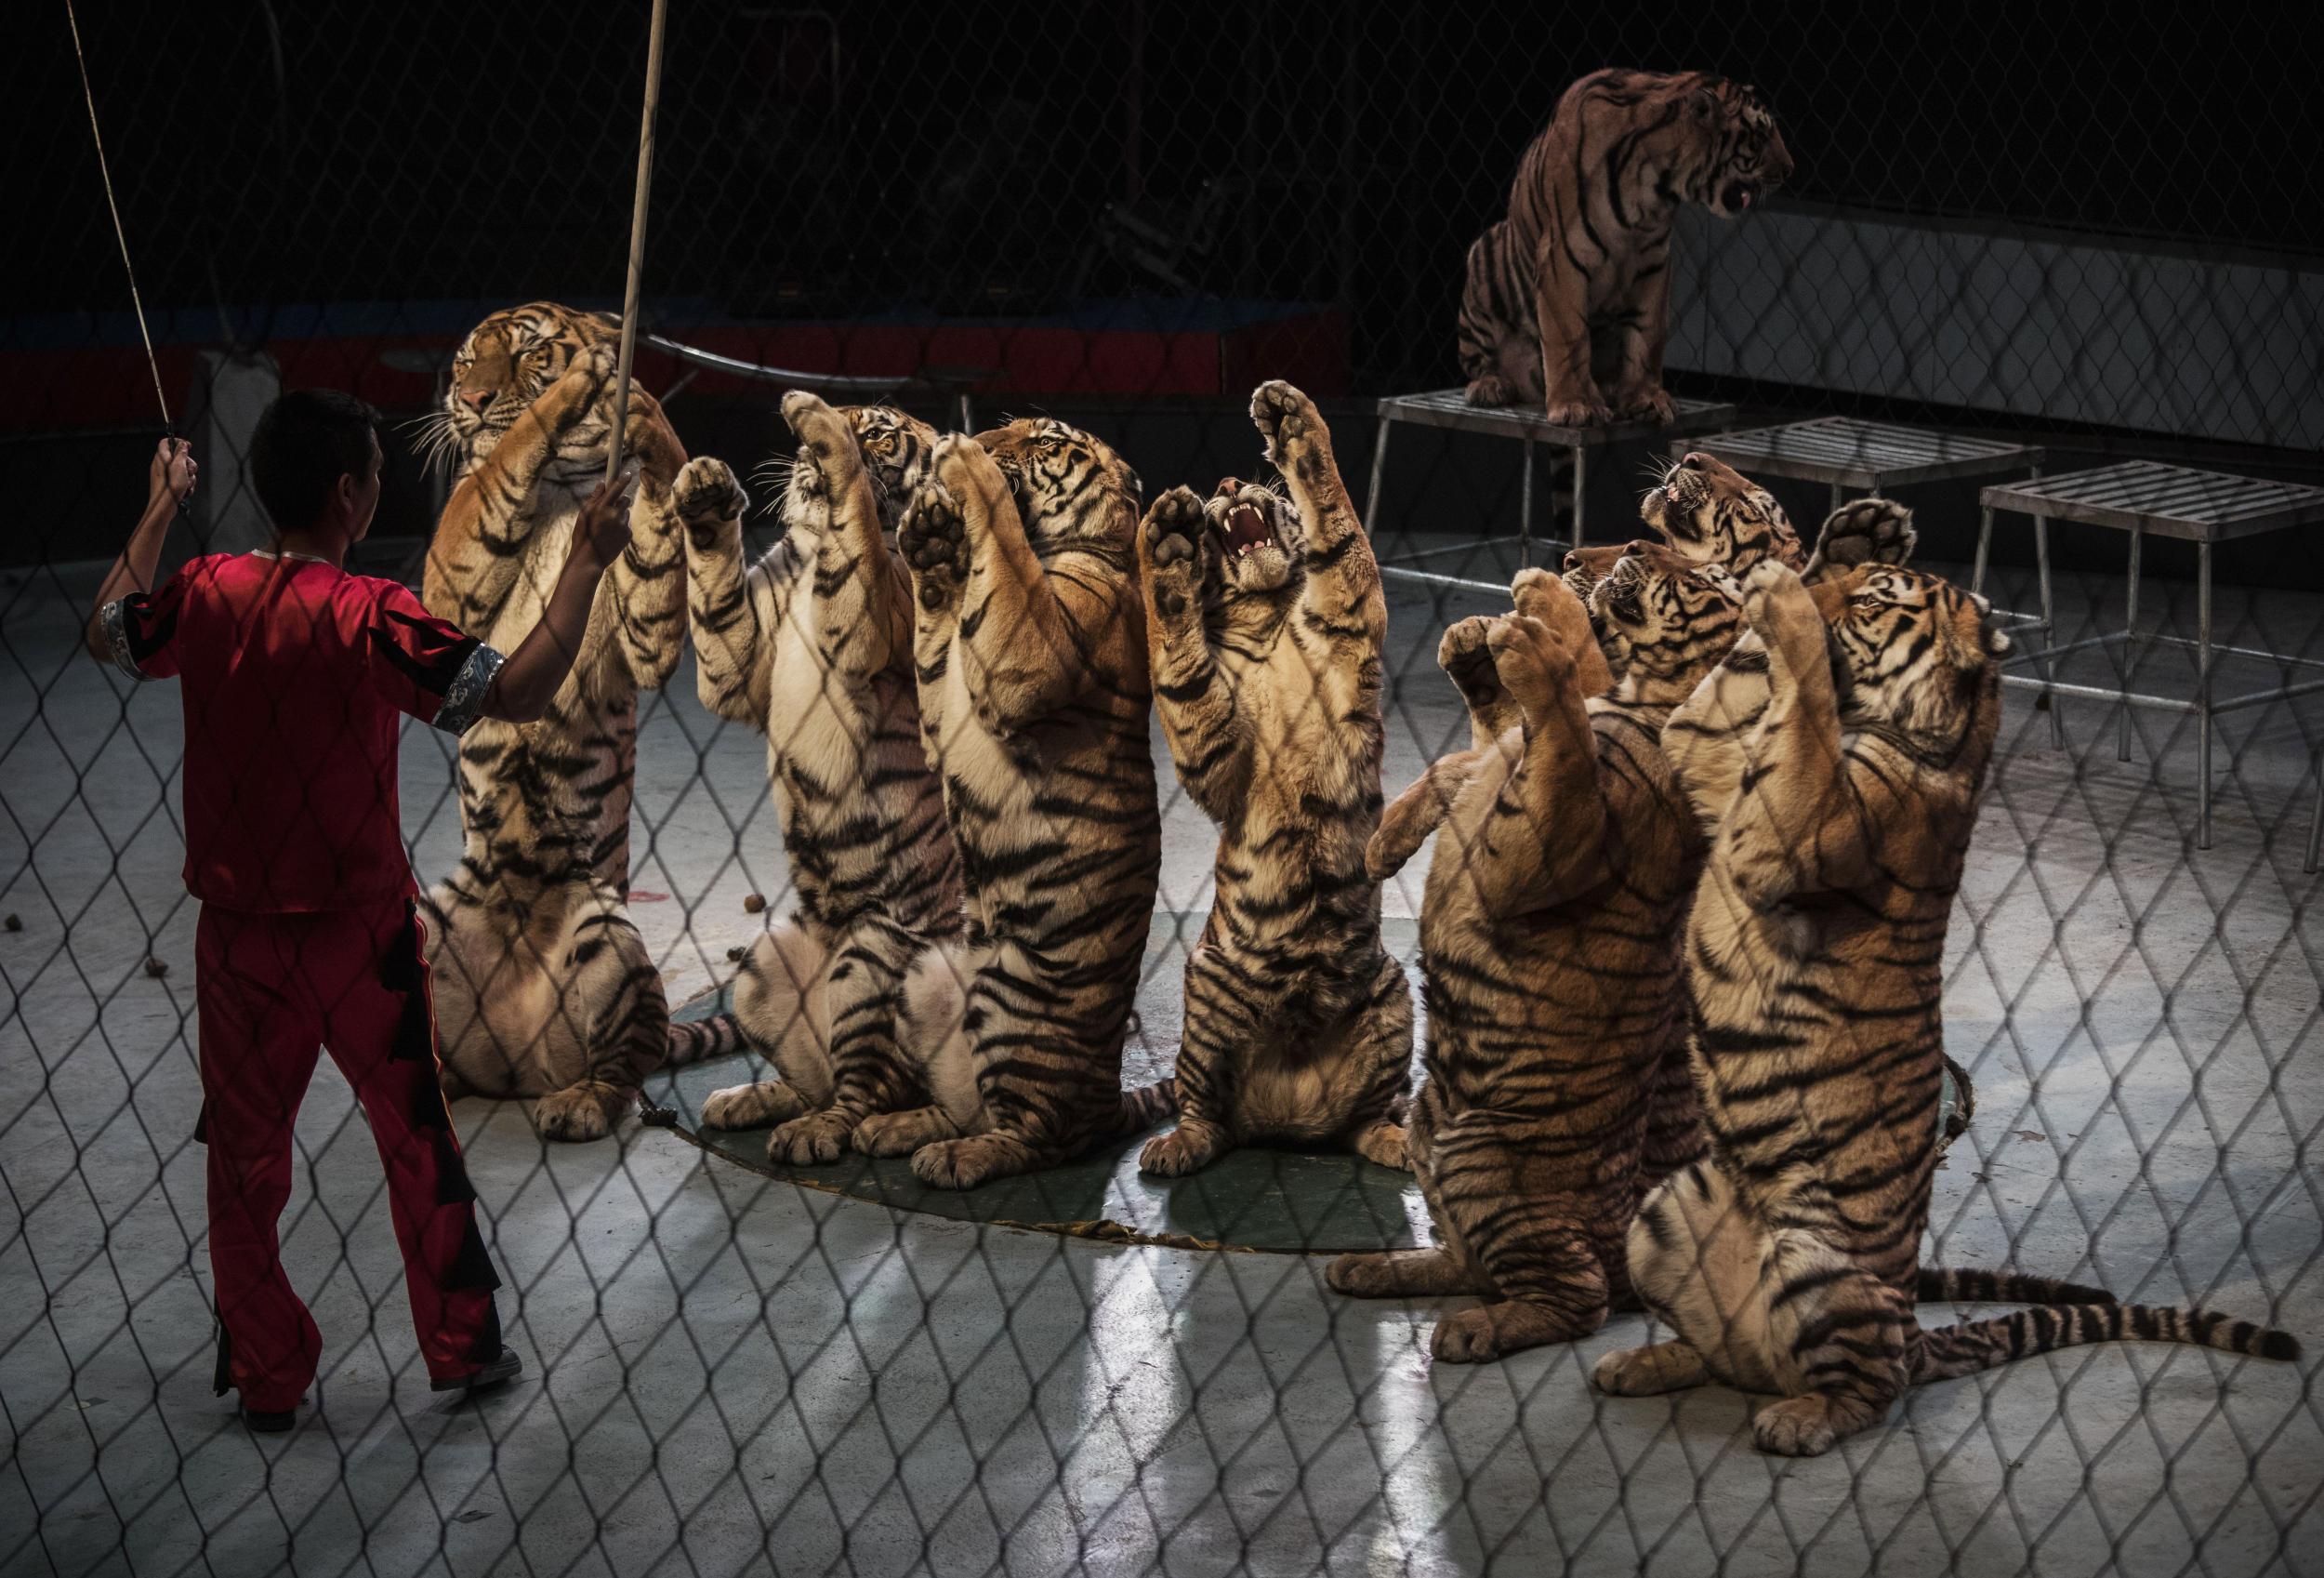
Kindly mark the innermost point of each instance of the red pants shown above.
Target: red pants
(272, 988)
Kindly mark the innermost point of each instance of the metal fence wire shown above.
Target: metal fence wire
(2036, 313)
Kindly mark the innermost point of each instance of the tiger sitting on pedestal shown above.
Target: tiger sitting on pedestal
(1567, 303)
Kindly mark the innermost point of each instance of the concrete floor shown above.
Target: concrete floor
(734, 1374)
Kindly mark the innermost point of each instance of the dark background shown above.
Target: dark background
(842, 164)
(314, 151)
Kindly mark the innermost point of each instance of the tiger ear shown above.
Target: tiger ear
(1130, 480)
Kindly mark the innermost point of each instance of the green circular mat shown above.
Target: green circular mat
(1251, 1199)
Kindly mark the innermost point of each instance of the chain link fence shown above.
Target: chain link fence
(2012, 257)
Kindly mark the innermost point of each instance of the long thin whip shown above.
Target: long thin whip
(637, 242)
(121, 235)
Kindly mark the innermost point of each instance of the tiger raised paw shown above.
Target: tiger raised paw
(1172, 541)
(709, 500)
(934, 545)
(1299, 1024)
(1863, 531)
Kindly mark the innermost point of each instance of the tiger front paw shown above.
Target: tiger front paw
(1860, 532)
(815, 1140)
(1187, 1148)
(1466, 655)
(822, 431)
(934, 543)
(577, 389)
(709, 501)
(1795, 1428)
(1540, 595)
(1360, 1276)
(887, 1133)
(1172, 541)
(1589, 412)
(1782, 611)
(1298, 442)
(1493, 391)
(581, 1112)
(751, 1106)
(1383, 1144)
(592, 369)
(1642, 402)
(1650, 1370)
(1468, 1337)
(965, 1163)
(1534, 668)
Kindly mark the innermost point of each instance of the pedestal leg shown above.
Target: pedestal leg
(2128, 667)
(1525, 511)
(2049, 628)
(2315, 820)
(1581, 489)
(1380, 465)
(2203, 695)
(1985, 546)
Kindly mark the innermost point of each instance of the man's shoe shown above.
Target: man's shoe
(499, 1371)
(268, 1422)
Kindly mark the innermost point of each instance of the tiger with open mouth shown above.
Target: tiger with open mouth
(1265, 621)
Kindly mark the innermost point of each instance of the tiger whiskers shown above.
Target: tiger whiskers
(1656, 470)
(439, 445)
(772, 478)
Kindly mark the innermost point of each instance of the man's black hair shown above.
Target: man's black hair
(305, 443)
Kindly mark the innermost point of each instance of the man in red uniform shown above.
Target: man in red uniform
(293, 674)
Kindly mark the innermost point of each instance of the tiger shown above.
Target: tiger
(1713, 514)
(1719, 516)
(1265, 621)
(1566, 306)
(1788, 1261)
(1549, 939)
(542, 986)
(812, 647)
(1029, 651)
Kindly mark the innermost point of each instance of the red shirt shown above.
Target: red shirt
(294, 672)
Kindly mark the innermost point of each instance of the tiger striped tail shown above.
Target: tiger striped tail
(1969, 1285)
(695, 1039)
(1148, 1105)
(1983, 1344)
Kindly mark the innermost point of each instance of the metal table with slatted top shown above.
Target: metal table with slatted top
(2204, 508)
(1871, 457)
(1450, 408)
